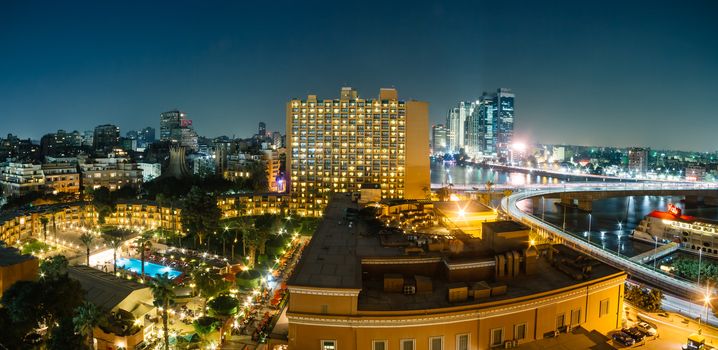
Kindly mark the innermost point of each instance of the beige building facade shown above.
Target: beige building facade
(356, 289)
(344, 144)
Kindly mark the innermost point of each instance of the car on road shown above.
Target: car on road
(623, 339)
(647, 329)
(634, 333)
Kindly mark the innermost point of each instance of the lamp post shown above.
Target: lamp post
(700, 255)
(655, 250)
(589, 228)
(706, 301)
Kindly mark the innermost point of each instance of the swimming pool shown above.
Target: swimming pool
(151, 269)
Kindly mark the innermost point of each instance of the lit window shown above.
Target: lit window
(329, 345)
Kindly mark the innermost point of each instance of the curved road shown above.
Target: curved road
(635, 270)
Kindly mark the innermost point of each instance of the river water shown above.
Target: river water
(611, 220)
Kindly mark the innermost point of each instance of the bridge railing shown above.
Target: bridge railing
(509, 206)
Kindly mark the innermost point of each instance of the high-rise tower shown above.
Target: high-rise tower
(351, 143)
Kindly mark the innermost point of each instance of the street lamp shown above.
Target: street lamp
(706, 302)
(655, 257)
(700, 255)
(589, 227)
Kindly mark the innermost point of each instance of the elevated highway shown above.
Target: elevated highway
(635, 269)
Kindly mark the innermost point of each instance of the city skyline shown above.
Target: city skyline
(576, 67)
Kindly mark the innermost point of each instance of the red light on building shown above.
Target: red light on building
(674, 210)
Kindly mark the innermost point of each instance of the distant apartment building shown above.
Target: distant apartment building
(61, 143)
(637, 160)
(146, 136)
(456, 122)
(111, 175)
(61, 178)
(483, 128)
(341, 145)
(106, 137)
(271, 163)
(277, 139)
(175, 127)
(150, 171)
(168, 121)
(695, 173)
(239, 166)
(17, 149)
(504, 100)
(439, 140)
(558, 153)
(19, 179)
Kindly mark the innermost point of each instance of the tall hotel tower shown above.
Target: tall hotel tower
(350, 143)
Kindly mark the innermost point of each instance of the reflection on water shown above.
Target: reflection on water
(612, 219)
(478, 176)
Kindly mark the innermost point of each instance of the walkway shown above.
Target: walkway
(657, 253)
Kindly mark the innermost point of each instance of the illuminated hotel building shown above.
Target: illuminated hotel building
(356, 289)
(343, 144)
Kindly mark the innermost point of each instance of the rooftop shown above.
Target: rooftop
(332, 258)
(547, 278)
(505, 226)
(350, 254)
(10, 256)
(103, 289)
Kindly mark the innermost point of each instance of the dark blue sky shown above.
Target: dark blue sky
(584, 72)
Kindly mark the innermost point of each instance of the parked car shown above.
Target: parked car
(634, 333)
(647, 329)
(623, 339)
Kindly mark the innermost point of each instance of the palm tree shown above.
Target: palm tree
(87, 316)
(115, 242)
(245, 226)
(163, 296)
(143, 243)
(54, 224)
(251, 238)
(44, 221)
(86, 239)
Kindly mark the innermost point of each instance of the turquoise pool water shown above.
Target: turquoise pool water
(151, 269)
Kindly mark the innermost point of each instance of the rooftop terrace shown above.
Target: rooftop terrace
(349, 254)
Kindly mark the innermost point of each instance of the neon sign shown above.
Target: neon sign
(676, 211)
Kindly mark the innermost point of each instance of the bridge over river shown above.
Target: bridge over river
(632, 266)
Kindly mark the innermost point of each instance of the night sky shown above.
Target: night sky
(584, 72)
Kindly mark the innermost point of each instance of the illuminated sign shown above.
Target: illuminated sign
(676, 211)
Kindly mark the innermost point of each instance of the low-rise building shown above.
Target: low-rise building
(61, 178)
(150, 171)
(146, 214)
(18, 179)
(253, 204)
(15, 266)
(358, 289)
(110, 175)
(125, 304)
